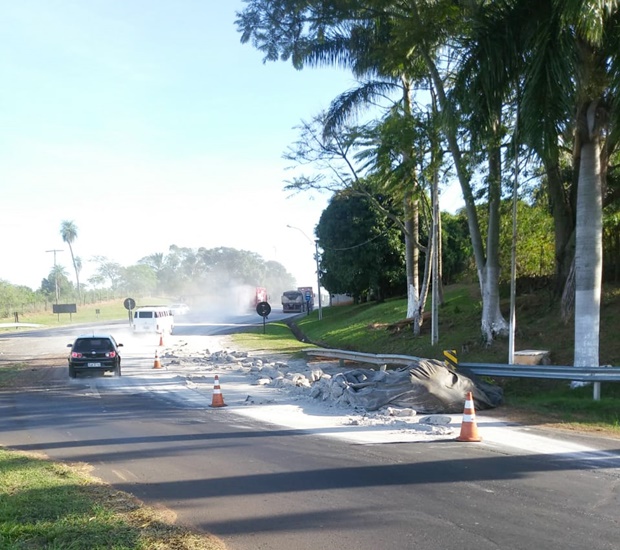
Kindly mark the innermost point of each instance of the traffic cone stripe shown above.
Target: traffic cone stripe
(469, 418)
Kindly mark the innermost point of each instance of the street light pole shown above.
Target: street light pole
(318, 277)
(318, 272)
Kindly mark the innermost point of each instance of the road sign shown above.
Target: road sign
(263, 309)
(64, 308)
(308, 295)
(129, 303)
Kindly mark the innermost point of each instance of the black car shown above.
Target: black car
(94, 353)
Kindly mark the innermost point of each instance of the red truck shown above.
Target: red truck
(260, 295)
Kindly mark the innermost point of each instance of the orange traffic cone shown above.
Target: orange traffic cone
(161, 338)
(218, 399)
(469, 429)
(157, 364)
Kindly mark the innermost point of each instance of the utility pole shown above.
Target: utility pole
(435, 264)
(318, 277)
(513, 249)
(55, 273)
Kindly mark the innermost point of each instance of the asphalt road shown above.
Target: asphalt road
(262, 487)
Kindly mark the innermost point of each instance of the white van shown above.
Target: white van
(153, 319)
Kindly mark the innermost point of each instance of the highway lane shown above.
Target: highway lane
(261, 486)
(48, 342)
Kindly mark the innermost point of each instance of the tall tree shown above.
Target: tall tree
(362, 251)
(139, 279)
(562, 58)
(380, 159)
(418, 33)
(69, 232)
(108, 271)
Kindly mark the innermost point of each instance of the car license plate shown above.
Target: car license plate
(94, 364)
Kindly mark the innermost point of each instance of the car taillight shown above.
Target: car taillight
(76, 354)
(111, 354)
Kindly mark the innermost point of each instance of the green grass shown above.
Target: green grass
(555, 402)
(49, 505)
(275, 337)
(10, 373)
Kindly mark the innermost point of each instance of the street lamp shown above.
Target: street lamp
(318, 273)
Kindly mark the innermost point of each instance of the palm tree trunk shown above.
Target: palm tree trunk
(564, 225)
(493, 323)
(77, 273)
(410, 249)
(588, 245)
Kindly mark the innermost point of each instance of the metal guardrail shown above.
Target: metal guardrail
(361, 357)
(579, 374)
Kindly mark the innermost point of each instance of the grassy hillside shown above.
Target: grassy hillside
(382, 328)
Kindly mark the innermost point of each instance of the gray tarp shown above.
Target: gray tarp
(428, 386)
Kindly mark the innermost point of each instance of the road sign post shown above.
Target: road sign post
(263, 309)
(308, 297)
(129, 304)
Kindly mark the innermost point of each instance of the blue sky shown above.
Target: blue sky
(147, 123)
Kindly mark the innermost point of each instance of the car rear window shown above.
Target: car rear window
(144, 314)
(89, 344)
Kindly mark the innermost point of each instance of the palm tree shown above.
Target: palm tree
(68, 232)
(387, 39)
(563, 59)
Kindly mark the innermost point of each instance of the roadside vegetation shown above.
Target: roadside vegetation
(382, 328)
(45, 504)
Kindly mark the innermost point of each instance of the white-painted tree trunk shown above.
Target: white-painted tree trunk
(412, 301)
(410, 257)
(588, 256)
(493, 323)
